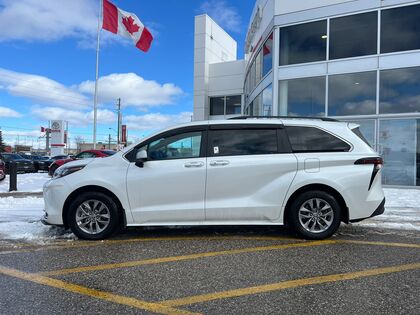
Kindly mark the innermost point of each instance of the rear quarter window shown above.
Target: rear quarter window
(311, 139)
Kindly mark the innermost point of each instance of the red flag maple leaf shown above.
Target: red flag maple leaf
(130, 25)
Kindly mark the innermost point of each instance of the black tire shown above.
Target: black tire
(307, 199)
(52, 170)
(88, 197)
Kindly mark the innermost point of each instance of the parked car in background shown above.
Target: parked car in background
(50, 160)
(310, 174)
(2, 170)
(23, 165)
(40, 162)
(82, 155)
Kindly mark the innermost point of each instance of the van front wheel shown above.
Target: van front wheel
(93, 216)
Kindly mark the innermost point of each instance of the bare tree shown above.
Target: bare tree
(79, 140)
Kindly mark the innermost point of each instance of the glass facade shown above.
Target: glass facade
(400, 147)
(379, 95)
(400, 29)
(352, 94)
(400, 90)
(262, 105)
(303, 43)
(267, 53)
(217, 105)
(302, 97)
(225, 105)
(354, 35)
(260, 66)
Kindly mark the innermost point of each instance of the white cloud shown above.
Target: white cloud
(130, 87)
(14, 133)
(41, 89)
(47, 20)
(133, 90)
(155, 121)
(8, 112)
(225, 15)
(75, 118)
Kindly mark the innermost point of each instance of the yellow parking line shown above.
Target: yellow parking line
(110, 297)
(79, 244)
(288, 284)
(408, 245)
(184, 257)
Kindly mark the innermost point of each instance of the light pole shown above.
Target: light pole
(109, 137)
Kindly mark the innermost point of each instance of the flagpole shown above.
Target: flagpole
(95, 97)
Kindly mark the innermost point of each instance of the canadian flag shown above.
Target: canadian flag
(126, 24)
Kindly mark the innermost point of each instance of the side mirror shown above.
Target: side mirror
(141, 157)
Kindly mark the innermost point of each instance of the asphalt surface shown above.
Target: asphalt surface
(227, 270)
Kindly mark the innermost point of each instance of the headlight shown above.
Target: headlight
(64, 171)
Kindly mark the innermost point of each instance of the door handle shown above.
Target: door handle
(194, 164)
(219, 163)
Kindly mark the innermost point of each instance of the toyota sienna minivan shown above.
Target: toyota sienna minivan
(310, 174)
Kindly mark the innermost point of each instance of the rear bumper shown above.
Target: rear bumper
(378, 211)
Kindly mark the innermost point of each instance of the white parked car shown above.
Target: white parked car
(310, 174)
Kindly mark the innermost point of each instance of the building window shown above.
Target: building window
(243, 142)
(217, 105)
(303, 43)
(225, 105)
(267, 101)
(400, 91)
(258, 67)
(354, 35)
(233, 105)
(267, 52)
(256, 106)
(302, 97)
(352, 94)
(400, 29)
(310, 139)
(399, 146)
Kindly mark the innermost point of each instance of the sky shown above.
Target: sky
(47, 65)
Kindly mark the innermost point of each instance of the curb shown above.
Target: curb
(21, 194)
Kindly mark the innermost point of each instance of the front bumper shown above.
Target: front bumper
(55, 194)
(380, 210)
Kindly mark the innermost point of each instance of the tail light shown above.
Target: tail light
(377, 163)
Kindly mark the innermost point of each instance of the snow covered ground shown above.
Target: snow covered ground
(19, 217)
(402, 211)
(20, 220)
(31, 182)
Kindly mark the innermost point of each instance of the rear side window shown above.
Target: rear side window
(358, 133)
(310, 139)
(242, 142)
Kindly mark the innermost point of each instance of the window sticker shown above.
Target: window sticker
(216, 150)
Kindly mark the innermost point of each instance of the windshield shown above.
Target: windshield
(9, 157)
(109, 152)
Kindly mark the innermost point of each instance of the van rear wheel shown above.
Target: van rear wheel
(315, 215)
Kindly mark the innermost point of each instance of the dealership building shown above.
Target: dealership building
(352, 60)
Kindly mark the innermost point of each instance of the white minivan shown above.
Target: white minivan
(310, 174)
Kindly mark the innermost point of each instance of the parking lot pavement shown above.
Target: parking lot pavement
(235, 270)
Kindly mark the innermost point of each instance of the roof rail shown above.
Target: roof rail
(282, 117)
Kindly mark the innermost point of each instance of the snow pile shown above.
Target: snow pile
(32, 182)
(402, 211)
(20, 220)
